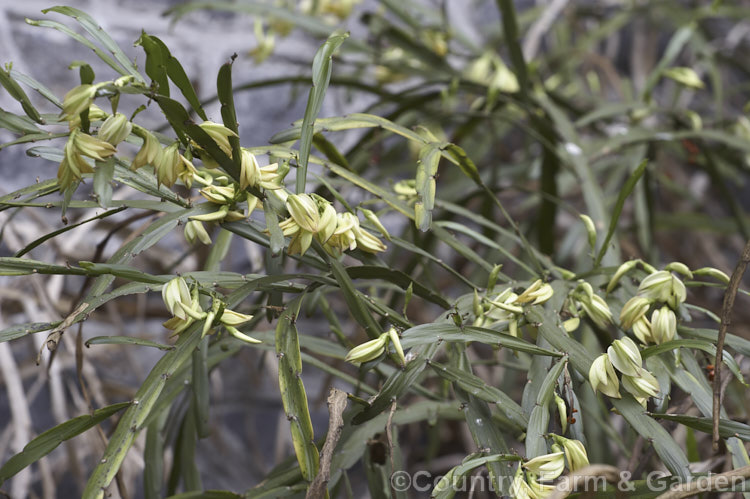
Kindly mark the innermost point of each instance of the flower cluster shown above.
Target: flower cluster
(624, 356)
(81, 146)
(313, 216)
(506, 306)
(660, 292)
(310, 215)
(529, 480)
(183, 303)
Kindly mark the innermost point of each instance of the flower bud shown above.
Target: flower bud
(562, 410)
(374, 220)
(602, 377)
(625, 356)
(634, 309)
(680, 268)
(368, 351)
(396, 342)
(232, 318)
(115, 129)
(547, 466)
(167, 165)
(684, 76)
(621, 271)
(194, 230)
(215, 216)
(304, 211)
(492, 279)
(590, 230)
(240, 335)
(712, 272)
(663, 325)
(642, 386)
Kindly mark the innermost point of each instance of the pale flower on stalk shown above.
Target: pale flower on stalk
(149, 151)
(171, 165)
(220, 134)
(78, 146)
(663, 325)
(546, 467)
(633, 310)
(575, 452)
(195, 231)
(603, 377)
(642, 386)
(368, 351)
(596, 309)
(252, 174)
(625, 356)
(115, 129)
(642, 330)
(304, 211)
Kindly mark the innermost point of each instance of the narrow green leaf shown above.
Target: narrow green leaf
(477, 387)
(627, 188)
(727, 427)
(96, 31)
(126, 340)
(293, 394)
(82, 40)
(132, 422)
(20, 330)
(15, 91)
(50, 439)
(539, 420)
(354, 301)
(156, 68)
(321, 76)
(56, 233)
(103, 175)
(439, 332)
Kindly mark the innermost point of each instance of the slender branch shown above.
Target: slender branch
(726, 312)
